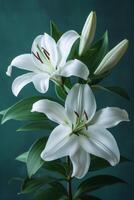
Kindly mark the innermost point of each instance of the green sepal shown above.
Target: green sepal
(60, 92)
(96, 182)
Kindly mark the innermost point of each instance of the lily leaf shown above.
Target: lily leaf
(113, 89)
(99, 163)
(22, 111)
(22, 157)
(96, 53)
(34, 161)
(45, 125)
(54, 31)
(60, 92)
(56, 191)
(89, 197)
(96, 182)
(34, 184)
(56, 166)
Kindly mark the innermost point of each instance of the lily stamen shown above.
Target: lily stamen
(76, 114)
(86, 115)
(37, 56)
(47, 54)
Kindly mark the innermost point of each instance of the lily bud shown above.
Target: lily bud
(112, 57)
(88, 33)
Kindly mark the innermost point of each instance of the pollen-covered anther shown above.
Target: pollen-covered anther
(76, 114)
(47, 54)
(86, 116)
(37, 56)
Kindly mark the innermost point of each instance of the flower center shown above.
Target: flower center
(80, 124)
(43, 56)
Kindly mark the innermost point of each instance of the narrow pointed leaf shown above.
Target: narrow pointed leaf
(40, 126)
(34, 161)
(60, 92)
(93, 57)
(113, 89)
(34, 184)
(22, 157)
(89, 197)
(54, 31)
(97, 182)
(99, 163)
(55, 192)
(22, 110)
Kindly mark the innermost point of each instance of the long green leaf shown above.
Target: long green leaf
(22, 111)
(55, 192)
(34, 161)
(54, 31)
(93, 57)
(99, 163)
(89, 197)
(96, 182)
(45, 125)
(113, 89)
(34, 184)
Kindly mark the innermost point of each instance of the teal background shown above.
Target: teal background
(20, 22)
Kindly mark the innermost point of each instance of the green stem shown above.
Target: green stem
(69, 183)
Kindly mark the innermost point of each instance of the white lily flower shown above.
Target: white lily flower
(81, 131)
(88, 33)
(48, 61)
(112, 57)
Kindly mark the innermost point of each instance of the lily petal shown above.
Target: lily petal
(100, 142)
(50, 46)
(59, 144)
(81, 162)
(110, 117)
(53, 110)
(21, 81)
(23, 61)
(81, 100)
(41, 82)
(74, 68)
(65, 44)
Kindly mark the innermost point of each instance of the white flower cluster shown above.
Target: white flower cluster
(81, 130)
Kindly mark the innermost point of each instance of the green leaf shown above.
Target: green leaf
(22, 111)
(97, 182)
(34, 161)
(34, 184)
(89, 197)
(56, 166)
(22, 157)
(93, 56)
(54, 31)
(113, 89)
(46, 125)
(55, 192)
(60, 92)
(99, 163)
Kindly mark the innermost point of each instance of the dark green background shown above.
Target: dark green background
(20, 22)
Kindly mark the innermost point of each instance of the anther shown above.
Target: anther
(37, 56)
(85, 115)
(47, 54)
(76, 114)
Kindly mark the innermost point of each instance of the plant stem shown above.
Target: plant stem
(69, 183)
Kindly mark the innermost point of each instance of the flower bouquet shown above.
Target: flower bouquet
(76, 138)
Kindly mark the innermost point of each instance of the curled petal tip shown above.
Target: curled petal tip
(9, 70)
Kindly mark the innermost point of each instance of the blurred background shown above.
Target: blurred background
(20, 23)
